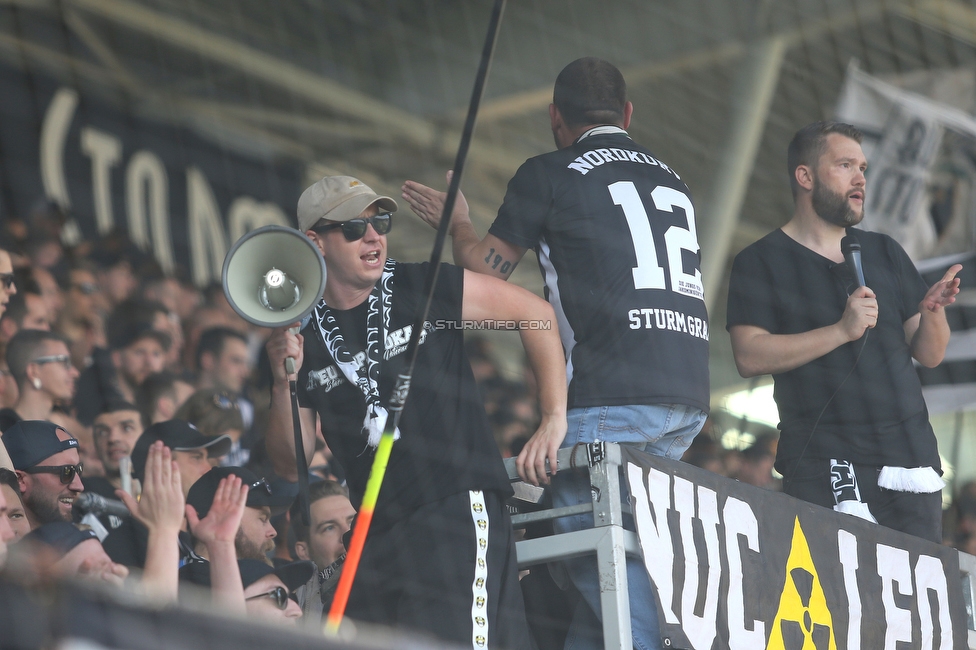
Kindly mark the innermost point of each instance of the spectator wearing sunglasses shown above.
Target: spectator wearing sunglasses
(255, 537)
(48, 467)
(8, 286)
(445, 483)
(41, 365)
(269, 593)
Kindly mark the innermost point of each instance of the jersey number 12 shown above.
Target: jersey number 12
(649, 273)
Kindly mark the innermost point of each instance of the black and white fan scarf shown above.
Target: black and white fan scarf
(365, 378)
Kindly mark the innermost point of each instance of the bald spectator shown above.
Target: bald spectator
(41, 365)
(8, 285)
(48, 467)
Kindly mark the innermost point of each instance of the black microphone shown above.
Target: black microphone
(95, 504)
(852, 254)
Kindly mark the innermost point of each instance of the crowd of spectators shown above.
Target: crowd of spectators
(117, 379)
(121, 382)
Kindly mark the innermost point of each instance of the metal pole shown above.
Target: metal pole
(752, 97)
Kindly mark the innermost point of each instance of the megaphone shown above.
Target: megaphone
(273, 276)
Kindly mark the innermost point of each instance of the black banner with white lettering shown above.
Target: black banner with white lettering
(182, 197)
(736, 566)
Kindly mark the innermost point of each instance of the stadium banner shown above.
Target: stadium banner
(735, 566)
(921, 178)
(183, 194)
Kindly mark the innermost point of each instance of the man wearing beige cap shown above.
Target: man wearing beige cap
(440, 556)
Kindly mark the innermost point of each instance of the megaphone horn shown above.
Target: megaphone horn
(273, 276)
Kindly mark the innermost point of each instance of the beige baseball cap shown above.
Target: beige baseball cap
(338, 198)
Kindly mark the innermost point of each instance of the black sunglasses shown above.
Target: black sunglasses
(354, 229)
(8, 279)
(67, 472)
(261, 484)
(280, 595)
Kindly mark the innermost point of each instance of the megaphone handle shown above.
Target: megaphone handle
(290, 362)
(301, 463)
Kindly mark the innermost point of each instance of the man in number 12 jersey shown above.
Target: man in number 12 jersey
(614, 231)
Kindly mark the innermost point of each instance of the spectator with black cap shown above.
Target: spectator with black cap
(255, 536)
(65, 550)
(48, 467)
(41, 365)
(193, 453)
(268, 592)
(138, 344)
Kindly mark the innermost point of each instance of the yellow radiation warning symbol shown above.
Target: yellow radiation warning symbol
(802, 621)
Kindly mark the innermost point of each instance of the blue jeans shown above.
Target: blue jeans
(661, 429)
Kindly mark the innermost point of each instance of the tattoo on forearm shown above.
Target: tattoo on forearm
(495, 260)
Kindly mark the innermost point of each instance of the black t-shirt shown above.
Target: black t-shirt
(99, 485)
(614, 229)
(445, 445)
(878, 416)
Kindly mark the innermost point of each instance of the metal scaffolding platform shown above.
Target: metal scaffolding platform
(607, 539)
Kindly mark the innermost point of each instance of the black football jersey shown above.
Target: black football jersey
(614, 230)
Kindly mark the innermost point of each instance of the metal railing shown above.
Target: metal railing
(607, 539)
(611, 542)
